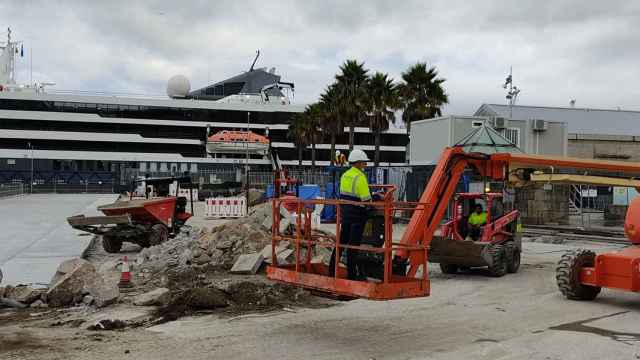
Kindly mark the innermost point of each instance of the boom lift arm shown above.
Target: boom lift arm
(453, 161)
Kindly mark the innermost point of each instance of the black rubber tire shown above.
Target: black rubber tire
(111, 244)
(449, 268)
(158, 234)
(568, 275)
(513, 257)
(498, 267)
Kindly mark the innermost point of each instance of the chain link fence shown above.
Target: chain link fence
(10, 190)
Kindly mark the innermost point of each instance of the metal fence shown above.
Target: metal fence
(10, 190)
(56, 187)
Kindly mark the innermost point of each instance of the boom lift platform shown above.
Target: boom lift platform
(403, 264)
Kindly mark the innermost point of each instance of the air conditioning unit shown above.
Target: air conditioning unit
(539, 125)
(500, 122)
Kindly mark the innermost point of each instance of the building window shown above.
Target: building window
(11, 161)
(184, 167)
(153, 167)
(163, 167)
(476, 124)
(143, 167)
(194, 167)
(512, 134)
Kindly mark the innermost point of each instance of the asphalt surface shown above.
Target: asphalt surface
(35, 236)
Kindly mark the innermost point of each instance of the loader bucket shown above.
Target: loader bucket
(460, 252)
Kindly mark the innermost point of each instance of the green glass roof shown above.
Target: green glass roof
(487, 140)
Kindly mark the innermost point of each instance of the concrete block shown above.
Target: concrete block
(158, 296)
(266, 252)
(247, 264)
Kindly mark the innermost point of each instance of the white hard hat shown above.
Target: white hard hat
(337, 152)
(357, 155)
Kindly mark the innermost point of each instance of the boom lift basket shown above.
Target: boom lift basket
(390, 283)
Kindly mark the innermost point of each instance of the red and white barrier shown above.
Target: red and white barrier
(226, 207)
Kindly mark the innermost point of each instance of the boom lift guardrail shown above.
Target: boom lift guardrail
(403, 260)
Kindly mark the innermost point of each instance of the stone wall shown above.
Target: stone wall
(610, 147)
(543, 204)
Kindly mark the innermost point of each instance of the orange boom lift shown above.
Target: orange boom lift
(404, 264)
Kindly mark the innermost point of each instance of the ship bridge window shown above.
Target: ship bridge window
(233, 88)
(218, 90)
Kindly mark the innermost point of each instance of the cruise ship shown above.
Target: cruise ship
(50, 131)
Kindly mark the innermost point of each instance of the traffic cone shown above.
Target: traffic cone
(125, 275)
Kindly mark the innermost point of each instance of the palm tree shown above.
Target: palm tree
(331, 116)
(382, 100)
(422, 94)
(351, 82)
(313, 132)
(298, 133)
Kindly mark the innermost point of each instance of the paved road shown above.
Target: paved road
(35, 236)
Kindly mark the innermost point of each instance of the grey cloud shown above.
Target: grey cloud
(560, 50)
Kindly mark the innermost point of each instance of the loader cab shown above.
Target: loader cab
(466, 203)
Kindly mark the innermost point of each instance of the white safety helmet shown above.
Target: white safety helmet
(338, 152)
(357, 155)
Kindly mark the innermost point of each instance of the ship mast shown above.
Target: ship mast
(8, 61)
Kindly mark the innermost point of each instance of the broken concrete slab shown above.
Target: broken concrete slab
(66, 267)
(266, 251)
(38, 304)
(247, 264)
(23, 293)
(71, 287)
(105, 292)
(159, 296)
(12, 303)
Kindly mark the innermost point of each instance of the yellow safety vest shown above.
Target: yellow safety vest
(478, 219)
(353, 183)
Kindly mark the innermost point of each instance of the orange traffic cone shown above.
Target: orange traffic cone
(125, 275)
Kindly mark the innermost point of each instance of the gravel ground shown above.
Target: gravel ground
(467, 316)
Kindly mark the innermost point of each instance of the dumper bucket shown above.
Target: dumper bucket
(147, 211)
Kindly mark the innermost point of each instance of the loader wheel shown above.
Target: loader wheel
(448, 268)
(158, 234)
(111, 244)
(498, 265)
(568, 275)
(513, 257)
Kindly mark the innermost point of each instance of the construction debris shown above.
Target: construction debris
(159, 296)
(247, 264)
(78, 282)
(23, 293)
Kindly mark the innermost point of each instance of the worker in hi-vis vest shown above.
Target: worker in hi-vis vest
(354, 186)
(477, 219)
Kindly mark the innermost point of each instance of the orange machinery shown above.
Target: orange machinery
(405, 262)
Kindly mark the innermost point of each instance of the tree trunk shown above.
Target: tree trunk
(332, 154)
(408, 151)
(376, 157)
(313, 157)
(352, 130)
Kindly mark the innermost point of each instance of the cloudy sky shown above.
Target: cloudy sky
(561, 50)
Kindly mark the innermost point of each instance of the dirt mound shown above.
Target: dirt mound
(237, 296)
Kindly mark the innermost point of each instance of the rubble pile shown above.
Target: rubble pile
(76, 281)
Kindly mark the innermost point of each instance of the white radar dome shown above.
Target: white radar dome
(178, 86)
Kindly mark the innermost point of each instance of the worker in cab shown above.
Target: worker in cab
(354, 186)
(477, 219)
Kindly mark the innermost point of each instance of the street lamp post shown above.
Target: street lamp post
(31, 177)
(246, 143)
